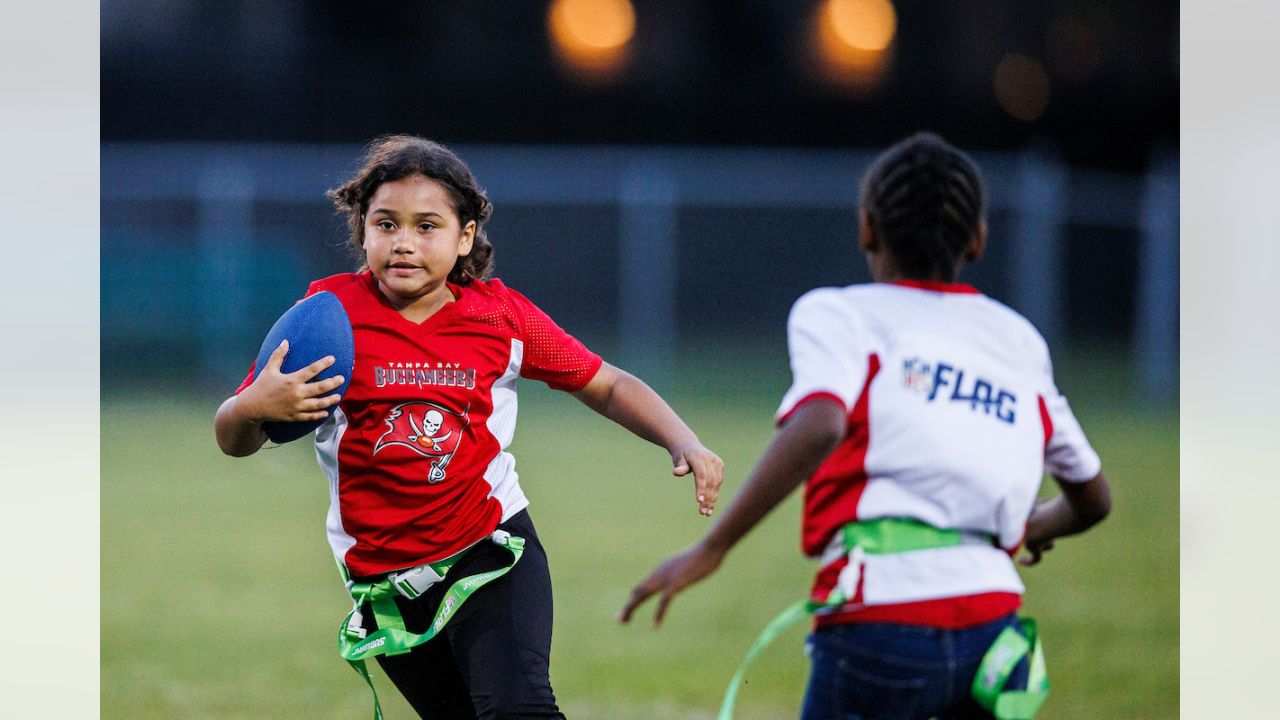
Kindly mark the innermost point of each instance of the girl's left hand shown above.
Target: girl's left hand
(708, 473)
(670, 577)
(1037, 549)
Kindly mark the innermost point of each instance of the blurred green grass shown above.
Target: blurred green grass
(220, 598)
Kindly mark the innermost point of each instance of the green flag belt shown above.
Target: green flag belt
(355, 644)
(998, 664)
(897, 535)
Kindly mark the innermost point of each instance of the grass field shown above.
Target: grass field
(220, 598)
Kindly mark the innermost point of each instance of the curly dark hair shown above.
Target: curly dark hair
(394, 157)
(925, 200)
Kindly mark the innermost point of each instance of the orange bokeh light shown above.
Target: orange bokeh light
(853, 39)
(1073, 50)
(591, 36)
(861, 24)
(1022, 87)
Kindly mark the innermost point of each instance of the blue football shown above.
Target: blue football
(315, 327)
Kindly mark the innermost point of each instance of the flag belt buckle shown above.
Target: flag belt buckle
(413, 582)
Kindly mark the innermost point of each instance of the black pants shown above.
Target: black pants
(492, 660)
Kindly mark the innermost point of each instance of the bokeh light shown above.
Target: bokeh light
(861, 24)
(1073, 50)
(591, 37)
(1022, 87)
(853, 41)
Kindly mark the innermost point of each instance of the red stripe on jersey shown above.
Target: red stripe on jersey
(831, 495)
(936, 286)
(819, 395)
(1046, 421)
(248, 379)
(953, 613)
(826, 580)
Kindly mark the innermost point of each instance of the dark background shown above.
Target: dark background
(718, 73)
(193, 81)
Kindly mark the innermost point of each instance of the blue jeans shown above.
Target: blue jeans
(886, 671)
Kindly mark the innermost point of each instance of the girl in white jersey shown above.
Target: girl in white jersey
(921, 418)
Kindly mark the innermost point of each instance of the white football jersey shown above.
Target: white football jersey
(953, 419)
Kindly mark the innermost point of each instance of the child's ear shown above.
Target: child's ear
(978, 244)
(867, 239)
(468, 237)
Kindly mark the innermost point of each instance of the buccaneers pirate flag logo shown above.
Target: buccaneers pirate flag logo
(427, 429)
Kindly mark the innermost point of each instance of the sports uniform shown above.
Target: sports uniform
(953, 418)
(415, 454)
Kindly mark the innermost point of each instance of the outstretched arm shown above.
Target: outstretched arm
(273, 396)
(797, 449)
(626, 400)
(1078, 508)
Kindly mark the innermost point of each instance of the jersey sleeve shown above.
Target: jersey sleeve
(312, 289)
(1067, 453)
(248, 379)
(829, 353)
(551, 355)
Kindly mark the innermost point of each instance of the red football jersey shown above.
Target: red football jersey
(415, 452)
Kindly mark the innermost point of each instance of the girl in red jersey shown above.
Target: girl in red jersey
(427, 519)
(921, 419)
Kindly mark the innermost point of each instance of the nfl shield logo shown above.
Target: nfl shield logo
(917, 375)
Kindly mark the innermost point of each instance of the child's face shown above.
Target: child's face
(412, 238)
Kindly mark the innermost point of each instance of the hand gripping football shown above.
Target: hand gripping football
(315, 327)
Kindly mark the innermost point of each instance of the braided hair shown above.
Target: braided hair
(925, 201)
(395, 157)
